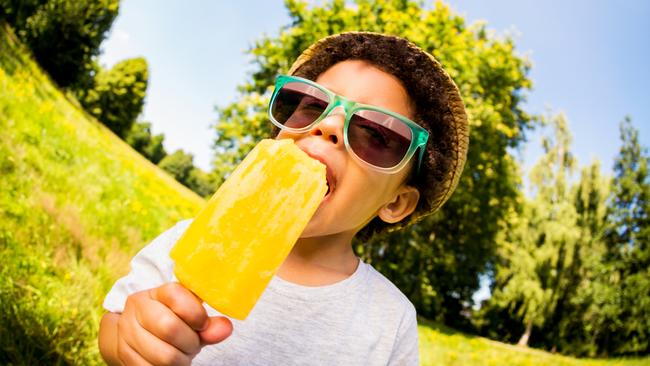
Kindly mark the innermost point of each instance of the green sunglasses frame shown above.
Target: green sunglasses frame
(419, 134)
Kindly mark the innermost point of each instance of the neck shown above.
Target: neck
(319, 261)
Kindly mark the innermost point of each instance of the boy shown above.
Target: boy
(350, 101)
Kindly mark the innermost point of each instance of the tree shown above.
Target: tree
(150, 146)
(567, 330)
(181, 166)
(116, 97)
(17, 12)
(578, 272)
(438, 262)
(624, 313)
(201, 182)
(538, 250)
(64, 35)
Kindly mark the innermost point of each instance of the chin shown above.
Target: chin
(309, 230)
(312, 230)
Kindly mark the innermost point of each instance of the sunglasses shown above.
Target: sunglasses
(377, 137)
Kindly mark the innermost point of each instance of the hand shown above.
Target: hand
(166, 325)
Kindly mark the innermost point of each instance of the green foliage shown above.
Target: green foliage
(181, 166)
(141, 139)
(438, 262)
(608, 312)
(76, 203)
(17, 12)
(621, 290)
(41, 323)
(201, 182)
(570, 326)
(538, 247)
(64, 35)
(629, 214)
(573, 265)
(117, 96)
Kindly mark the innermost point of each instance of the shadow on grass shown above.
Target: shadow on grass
(440, 328)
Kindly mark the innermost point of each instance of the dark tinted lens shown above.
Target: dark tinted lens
(378, 138)
(298, 104)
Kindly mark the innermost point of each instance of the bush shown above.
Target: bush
(181, 166)
(64, 35)
(201, 182)
(116, 97)
(141, 139)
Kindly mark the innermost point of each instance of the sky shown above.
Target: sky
(589, 61)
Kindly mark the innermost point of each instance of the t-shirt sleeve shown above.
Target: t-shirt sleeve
(151, 267)
(406, 350)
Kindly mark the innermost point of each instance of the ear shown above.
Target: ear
(403, 204)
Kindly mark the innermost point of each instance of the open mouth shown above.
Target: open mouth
(329, 174)
(331, 182)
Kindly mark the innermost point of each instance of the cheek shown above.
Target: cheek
(365, 188)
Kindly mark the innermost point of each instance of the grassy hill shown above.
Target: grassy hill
(76, 203)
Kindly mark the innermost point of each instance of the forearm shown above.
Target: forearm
(108, 338)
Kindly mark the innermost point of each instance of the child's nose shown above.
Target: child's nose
(331, 127)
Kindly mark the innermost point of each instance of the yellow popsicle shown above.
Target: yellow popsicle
(235, 245)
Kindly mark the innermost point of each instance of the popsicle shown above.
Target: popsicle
(232, 249)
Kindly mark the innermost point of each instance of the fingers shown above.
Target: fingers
(136, 344)
(164, 324)
(189, 308)
(150, 350)
(128, 356)
(218, 329)
(183, 303)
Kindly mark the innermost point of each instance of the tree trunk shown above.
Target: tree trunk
(523, 341)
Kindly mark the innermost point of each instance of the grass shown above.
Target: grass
(440, 345)
(76, 203)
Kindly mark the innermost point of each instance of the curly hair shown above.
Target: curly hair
(428, 90)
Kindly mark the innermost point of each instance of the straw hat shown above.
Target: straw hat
(453, 114)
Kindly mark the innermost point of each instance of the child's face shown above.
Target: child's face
(357, 193)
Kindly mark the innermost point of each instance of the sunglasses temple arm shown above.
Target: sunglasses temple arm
(420, 157)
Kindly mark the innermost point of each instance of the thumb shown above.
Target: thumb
(216, 330)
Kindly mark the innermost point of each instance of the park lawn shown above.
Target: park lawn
(440, 345)
(76, 203)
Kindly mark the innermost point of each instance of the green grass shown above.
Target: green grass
(440, 345)
(76, 203)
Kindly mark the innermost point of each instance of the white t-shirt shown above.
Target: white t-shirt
(362, 320)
